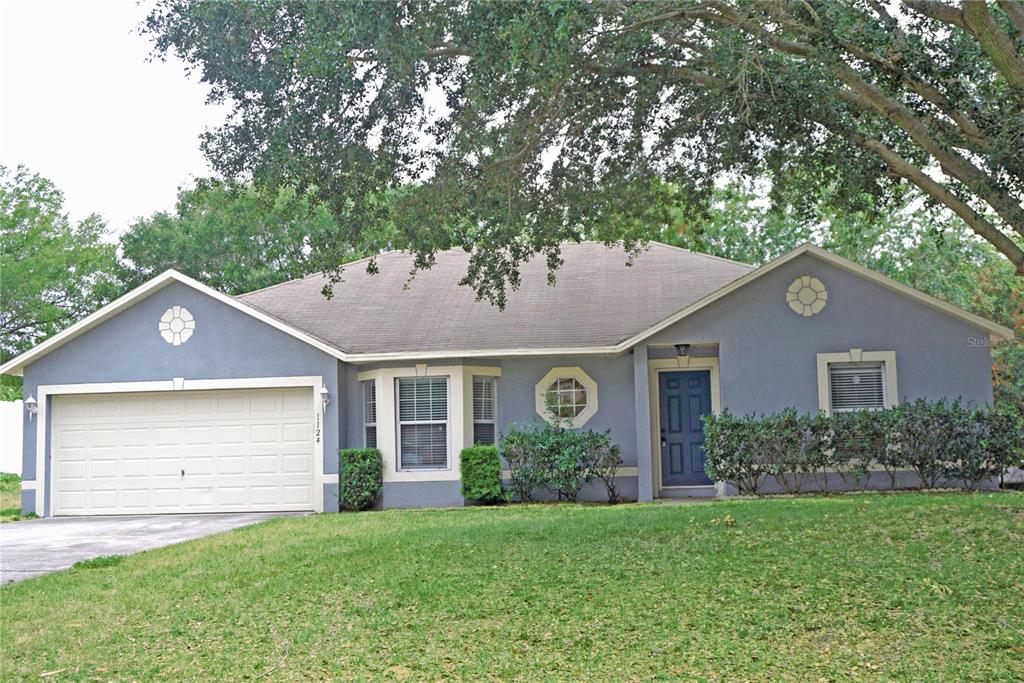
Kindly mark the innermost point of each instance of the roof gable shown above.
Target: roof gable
(16, 365)
(995, 330)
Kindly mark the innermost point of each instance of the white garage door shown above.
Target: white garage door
(183, 451)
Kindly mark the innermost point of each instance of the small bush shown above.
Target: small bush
(560, 459)
(360, 478)
(481, 475)
(605, 460)
(734, 451)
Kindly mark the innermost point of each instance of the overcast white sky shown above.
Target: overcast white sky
(81, 105)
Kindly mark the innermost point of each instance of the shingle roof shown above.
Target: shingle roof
(598, 300)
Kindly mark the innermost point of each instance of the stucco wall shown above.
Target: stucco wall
(768, 353)
(227, 344)
(516, 404)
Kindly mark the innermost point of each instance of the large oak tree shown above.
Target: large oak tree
(519, 125)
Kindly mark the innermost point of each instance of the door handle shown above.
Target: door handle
(183, 473)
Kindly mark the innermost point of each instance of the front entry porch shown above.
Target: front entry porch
(682, 387)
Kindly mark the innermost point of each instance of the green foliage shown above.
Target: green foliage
(734, 448)
(939, 441)
(235, 238)
(54, 271)
(10, 388)
(481, 475)
(360, 478)
(101, 562)
(551, 456)
(516, 126)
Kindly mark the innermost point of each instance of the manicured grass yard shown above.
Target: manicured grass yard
(909, 587)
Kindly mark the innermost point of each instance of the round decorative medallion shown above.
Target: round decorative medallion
(177, 325)
(807, 296)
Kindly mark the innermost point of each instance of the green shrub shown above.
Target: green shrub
(1005, 437)
(562, 460)
(935, 439)
(481, 474)
(855, 440)
(734, 450)
(360, 478)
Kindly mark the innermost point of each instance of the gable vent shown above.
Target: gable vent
(856, 386)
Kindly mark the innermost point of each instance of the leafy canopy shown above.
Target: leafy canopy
(520, 125)
(235, 238)
(53, 271)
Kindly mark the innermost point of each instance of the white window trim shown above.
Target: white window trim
(890, 388)
(493, 422)
(362, 386)
(447, 426)
(460, 406)
(42, 483)
(577, 373)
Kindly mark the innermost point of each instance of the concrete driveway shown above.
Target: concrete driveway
(38, 546)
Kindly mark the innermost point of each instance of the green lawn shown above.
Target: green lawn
(10, 497)
(908, 587)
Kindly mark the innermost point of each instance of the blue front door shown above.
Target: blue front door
(685, 398)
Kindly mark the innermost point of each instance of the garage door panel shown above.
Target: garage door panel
(166, 407)
(133, 467)
(296, 464)
(201, 435)
(135, 499)
(72, 469)
(263, 403)
(228, 435)
(166, 498)
(136, 437)
(105, 408)
(103, 500)
(296, 494)
(199, 406)
(239, 450)
(71, 439)
(106, 468)
(230, 405)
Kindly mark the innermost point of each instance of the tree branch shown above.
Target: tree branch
(1015, 11)
(975, 18)
(937, 191)
(952, 162)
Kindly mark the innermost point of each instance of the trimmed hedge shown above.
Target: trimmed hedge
(360, 478)
(481, 475)
(938, 440)
(562, 460)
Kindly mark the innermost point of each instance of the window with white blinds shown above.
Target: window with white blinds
(422, 422)
(484, 409)
(856, 386)
(370, 413)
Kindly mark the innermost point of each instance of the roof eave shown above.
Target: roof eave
(995, 330)
(16, 365)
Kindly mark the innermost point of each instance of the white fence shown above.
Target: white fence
(11, 415)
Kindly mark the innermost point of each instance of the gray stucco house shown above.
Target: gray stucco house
(179, 398)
